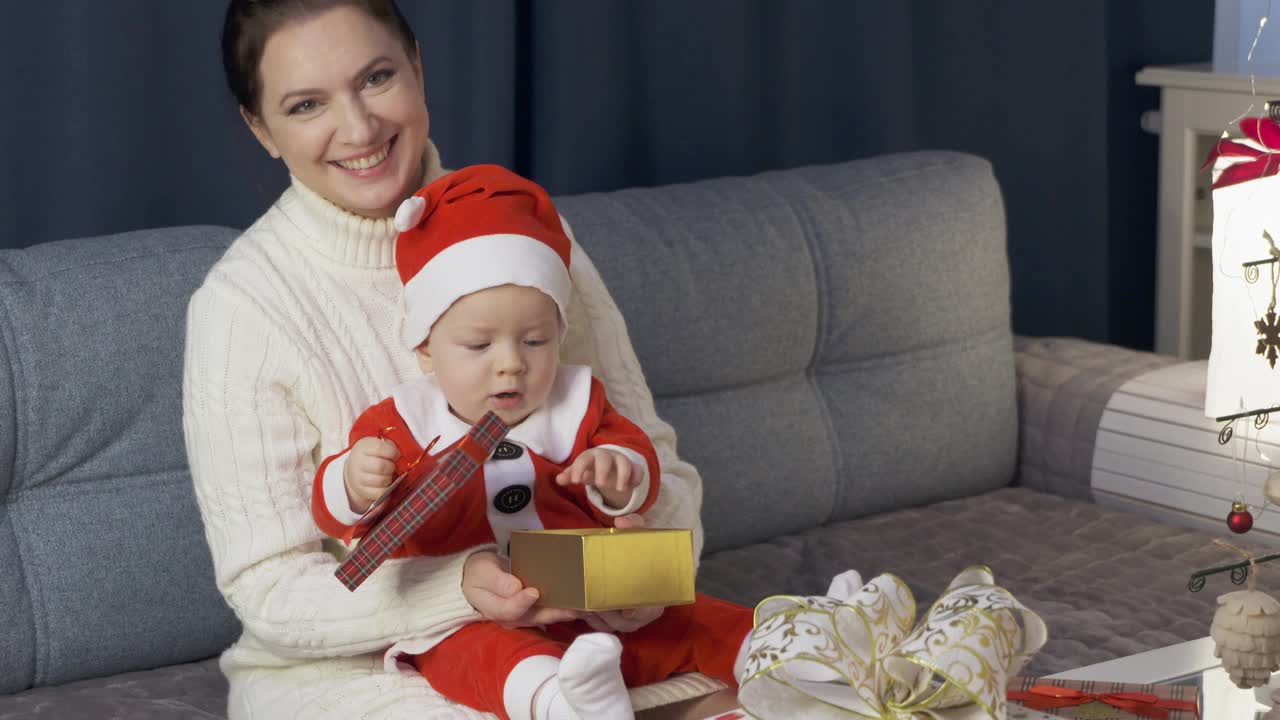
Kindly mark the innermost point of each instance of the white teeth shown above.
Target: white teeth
(367, 161)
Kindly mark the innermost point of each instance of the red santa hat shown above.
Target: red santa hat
(476, 228)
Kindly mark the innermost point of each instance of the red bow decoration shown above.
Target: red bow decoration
(1259, 163)
(1052, 697)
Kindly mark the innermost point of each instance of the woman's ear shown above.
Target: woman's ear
(424, 358)
(416, 60)
(260, 131)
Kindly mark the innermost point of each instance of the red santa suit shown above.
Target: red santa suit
(516, 490)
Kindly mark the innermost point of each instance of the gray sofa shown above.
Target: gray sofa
(832, 344)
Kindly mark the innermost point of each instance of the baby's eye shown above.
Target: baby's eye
(477, 346)
(535, 343)
(379, 77)
(302, 107)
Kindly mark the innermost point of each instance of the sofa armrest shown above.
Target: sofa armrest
(1063, 387)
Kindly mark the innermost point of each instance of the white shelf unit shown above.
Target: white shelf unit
(1196, 106)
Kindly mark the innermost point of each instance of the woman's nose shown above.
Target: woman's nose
(359, 126)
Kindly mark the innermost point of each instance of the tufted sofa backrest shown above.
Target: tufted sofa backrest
(829, 342)
(103, 561)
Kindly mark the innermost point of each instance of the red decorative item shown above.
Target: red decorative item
(1254, 162)
(1240, 520)
(442, 480)
(1142, 704)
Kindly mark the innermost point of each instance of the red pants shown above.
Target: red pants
(471, 666)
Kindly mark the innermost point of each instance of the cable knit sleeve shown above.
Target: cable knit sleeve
(598, 337)
(251, 449)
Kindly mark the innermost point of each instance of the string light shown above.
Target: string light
(1241, 460)
(1253, 84)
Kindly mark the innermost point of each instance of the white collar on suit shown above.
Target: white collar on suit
(549, 432)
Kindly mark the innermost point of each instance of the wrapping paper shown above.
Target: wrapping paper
(1119, 700)
(605, 568)
(443, 479)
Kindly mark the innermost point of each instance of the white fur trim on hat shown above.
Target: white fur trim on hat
(475, 264)
(409, 214)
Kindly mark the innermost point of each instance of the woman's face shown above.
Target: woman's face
(343, 106)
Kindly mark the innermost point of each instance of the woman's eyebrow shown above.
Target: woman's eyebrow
(359, 74)
(364, 70)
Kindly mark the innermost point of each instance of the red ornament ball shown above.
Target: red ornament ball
(1240, 520)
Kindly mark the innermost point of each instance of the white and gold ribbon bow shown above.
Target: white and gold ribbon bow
(954, 665)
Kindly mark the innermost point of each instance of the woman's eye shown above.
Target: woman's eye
(377, 78)
(304, 106)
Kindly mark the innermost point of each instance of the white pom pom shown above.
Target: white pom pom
(409, 213)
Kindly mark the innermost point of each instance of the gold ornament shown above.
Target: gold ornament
(1272, 488)
(1269, 327)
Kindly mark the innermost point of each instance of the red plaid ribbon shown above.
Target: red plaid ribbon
(1052, 697)
(445, 477)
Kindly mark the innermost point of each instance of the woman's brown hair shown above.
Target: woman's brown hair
(250, 23)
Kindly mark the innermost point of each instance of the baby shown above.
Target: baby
(485, 264)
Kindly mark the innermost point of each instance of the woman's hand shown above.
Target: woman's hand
(623, 621)
(495, 593)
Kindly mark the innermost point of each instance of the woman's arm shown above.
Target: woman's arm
(598, 337)
(250, 449)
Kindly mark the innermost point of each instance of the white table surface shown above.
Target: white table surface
(1221, 699)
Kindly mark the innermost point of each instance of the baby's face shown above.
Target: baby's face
(496, 349)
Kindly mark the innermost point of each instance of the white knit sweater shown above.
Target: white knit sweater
(294, 332)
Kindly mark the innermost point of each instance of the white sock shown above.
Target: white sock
(550, 703)
(526, 684)
(591, 678)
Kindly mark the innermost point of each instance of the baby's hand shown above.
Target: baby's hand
(608, 470)
(371, 463)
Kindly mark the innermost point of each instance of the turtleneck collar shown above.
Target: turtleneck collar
(343, 236)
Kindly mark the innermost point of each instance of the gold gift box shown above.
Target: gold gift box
(605, 568)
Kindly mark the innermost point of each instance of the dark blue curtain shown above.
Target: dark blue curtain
(117, 117)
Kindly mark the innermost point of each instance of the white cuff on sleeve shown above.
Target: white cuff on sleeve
(638, 495)
(335, 492)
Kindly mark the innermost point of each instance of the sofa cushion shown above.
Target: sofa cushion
(176, 692)
(829, 342)
(104, 563)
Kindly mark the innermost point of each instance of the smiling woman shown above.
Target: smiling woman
(296, 329)
(349, 122)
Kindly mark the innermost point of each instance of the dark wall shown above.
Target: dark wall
(116, 115)
(1140, 34)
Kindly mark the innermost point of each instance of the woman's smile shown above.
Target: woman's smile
(370, 164)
